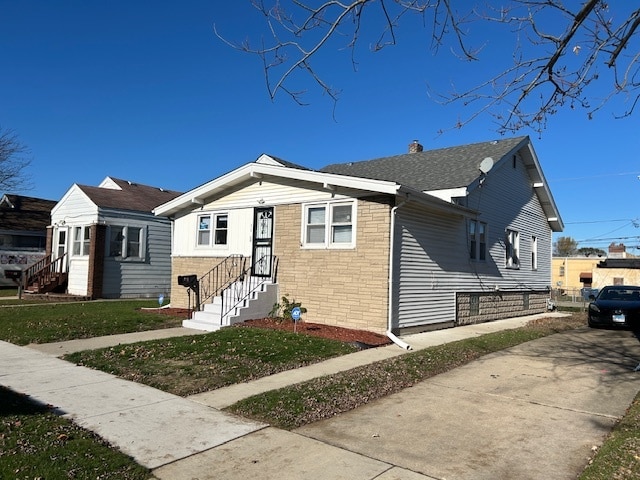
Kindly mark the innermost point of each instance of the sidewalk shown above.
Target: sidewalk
(540, 400)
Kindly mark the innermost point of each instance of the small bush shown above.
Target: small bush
(283, 310)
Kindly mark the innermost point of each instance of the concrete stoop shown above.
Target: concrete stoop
(258, 304)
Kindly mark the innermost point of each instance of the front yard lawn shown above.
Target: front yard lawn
(45, 323)
(193, 364)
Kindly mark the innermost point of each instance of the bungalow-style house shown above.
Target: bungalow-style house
(23, 233)
(105, 242)
(423, 240)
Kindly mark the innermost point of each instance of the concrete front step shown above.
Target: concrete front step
(204, 325)
(257, 305)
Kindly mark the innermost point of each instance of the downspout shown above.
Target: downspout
(389, 333)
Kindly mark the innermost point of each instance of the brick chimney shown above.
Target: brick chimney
(617, 251)
(415, 147)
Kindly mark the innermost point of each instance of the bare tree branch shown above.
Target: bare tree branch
(558, 55)
(13, 162)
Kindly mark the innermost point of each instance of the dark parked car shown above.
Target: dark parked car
(615, 305)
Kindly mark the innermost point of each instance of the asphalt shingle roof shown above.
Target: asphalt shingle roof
(132, 196)
(20, 213)
(430, 169)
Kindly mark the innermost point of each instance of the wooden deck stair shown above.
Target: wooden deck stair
(46, 275)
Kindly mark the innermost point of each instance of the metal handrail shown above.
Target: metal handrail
(220, 277)
(246, 284)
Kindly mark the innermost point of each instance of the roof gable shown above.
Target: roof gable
(265, 159)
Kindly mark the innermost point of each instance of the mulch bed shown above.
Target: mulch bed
(347, 335)
(361, 337)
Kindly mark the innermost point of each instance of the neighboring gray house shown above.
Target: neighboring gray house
(427, 239)
(105, 242)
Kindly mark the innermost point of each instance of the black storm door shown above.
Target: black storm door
(262, 241)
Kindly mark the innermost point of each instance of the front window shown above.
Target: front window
(512, 244)
(204, 229)
(116, 238)
(534, 253)
(213, 226)
(329, 225)
(220, 236)
(126, 242)
(81, 240)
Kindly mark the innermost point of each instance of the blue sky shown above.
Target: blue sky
(146, 92)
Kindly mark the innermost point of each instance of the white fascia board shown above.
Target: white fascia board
(448, 194)
(543, 191)
(75, 187)
(437, 203)
(265, 159)
(261, 171)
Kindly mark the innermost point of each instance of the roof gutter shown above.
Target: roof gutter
(389, 333)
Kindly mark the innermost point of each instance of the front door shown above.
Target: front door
(262, 241)
(61, 247)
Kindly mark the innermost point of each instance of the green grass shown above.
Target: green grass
(188, 365)
(45, 323)
(8, 292)
(37, 444)
(194, 364)
(619, 456)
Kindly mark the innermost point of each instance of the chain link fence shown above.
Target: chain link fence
(572, 297)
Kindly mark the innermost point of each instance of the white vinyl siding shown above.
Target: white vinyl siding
(433, 264)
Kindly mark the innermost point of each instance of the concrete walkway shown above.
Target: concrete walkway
(531, 412)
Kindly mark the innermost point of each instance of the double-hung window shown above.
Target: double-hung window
(81, 240)
(477, 240)
(126, 242)
(329, 225)
(512, 249)
(213, 227)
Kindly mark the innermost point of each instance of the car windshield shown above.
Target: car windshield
(623, 294)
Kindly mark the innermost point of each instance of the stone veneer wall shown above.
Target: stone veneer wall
(346, 288)
(499, 305)
(188, 266)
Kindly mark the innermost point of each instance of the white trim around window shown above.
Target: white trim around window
(212, 230)
(329, 224)
(127, 243)
(512, 249)
(81, 240)
(477, 240)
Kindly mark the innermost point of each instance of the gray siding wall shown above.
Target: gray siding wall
(432, 250)
(148, 278)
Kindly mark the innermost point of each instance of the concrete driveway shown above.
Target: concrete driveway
(535, 411)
